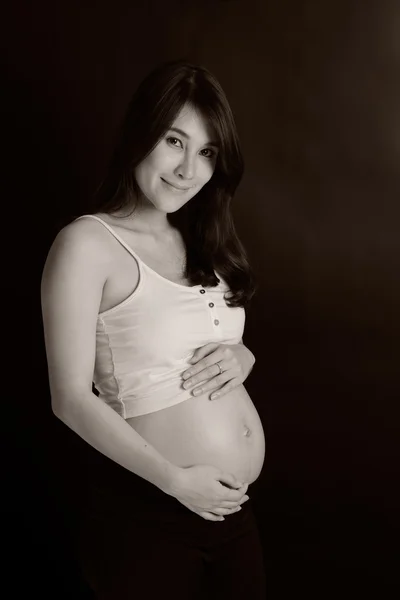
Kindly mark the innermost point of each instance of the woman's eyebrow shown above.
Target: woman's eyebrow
(184, 134)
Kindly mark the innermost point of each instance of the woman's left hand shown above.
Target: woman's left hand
(236, 362)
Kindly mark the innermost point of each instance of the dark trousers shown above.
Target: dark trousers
(135, 541)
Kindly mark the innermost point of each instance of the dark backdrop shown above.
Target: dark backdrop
(315, 89)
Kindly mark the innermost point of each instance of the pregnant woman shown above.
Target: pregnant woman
(145, 298)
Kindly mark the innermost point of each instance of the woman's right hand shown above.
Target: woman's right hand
(206, 491)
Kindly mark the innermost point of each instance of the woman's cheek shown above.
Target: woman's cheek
(207, 171)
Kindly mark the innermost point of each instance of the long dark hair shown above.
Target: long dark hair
(205, 222)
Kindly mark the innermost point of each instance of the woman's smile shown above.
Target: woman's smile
(176, 187)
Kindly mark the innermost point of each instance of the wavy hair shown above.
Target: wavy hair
(205, 221)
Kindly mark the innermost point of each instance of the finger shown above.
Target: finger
(204, 363)
(233, 495)
(203, 351)
(226, 511)
(238, 487)
(244, 499)
(229, 480)
(203, 372)
(232, 504)
(243, 488)
(230, 385)
(212, 384)
(211, 517)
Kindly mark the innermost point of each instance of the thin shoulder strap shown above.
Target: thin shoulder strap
(114, 233)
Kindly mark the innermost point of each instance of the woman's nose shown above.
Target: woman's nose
(186, 168)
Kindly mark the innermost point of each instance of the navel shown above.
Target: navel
(247, 431)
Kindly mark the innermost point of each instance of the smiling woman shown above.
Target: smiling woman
(178, 165)
(145, 297)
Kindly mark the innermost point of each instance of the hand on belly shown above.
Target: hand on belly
(226, 433)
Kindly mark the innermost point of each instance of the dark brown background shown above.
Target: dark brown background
(315, 89)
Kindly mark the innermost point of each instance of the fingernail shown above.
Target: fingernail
(196, 392)
(239, 508)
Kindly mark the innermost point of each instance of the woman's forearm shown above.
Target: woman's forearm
(101, 427)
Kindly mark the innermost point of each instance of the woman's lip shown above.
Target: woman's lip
(175, 186)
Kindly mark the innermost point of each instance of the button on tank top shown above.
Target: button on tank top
(143, 344)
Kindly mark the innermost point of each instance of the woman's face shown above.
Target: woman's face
(181, 163)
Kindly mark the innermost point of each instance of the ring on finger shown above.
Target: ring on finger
(219, 367)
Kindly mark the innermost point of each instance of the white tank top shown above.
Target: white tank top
(144, 343)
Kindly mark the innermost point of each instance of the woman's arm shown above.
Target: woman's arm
(101, 427)
(72, 282)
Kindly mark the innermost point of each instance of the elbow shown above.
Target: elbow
(65, 398)
(62, 406)
(58, 410)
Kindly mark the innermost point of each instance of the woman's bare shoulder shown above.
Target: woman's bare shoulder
(83, 230)
(82, 236)
(79, 245)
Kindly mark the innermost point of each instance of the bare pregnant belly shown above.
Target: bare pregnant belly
(226, 433)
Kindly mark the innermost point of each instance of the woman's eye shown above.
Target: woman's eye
(210, 154)
(174, 141)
